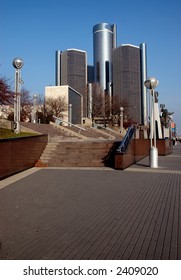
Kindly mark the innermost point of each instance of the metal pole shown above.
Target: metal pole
(153, 149)
(17, 102)
(70, 114)
(15, 96)
(152, 83)
(89, 101)
(151, 121)
(34, 112)
(154, 122)
(121, 119)
(18, 64)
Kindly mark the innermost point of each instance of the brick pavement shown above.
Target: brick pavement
(95, 213)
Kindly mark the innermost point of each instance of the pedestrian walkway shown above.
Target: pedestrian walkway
(93, 213)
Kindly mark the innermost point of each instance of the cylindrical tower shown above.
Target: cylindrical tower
(104, 40)
(58, 68)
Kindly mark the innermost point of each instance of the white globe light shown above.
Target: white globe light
(18, 63)
(151, 83)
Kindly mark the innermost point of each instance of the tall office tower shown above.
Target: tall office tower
(129, 72)
(104, 40)
(71, 70)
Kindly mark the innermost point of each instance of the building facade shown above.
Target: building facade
(118, 71)
(104, 40)
(129, 74)
(71, 70)
(73, 100)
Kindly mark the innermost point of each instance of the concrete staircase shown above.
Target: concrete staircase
(52, 131)
(76, 153)
(68, 148)
(94, 133)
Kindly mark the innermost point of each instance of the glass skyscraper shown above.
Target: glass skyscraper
(104, 40)
(117, 71)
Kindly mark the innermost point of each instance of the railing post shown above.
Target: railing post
(70, 114)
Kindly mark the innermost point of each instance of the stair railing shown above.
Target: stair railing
(60, 121)
(105, 128)
(126, 140)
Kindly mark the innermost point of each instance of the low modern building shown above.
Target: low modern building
(74, 102)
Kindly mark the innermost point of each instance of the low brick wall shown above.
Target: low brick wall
(21, 153)
(138, 149)
(123, 160)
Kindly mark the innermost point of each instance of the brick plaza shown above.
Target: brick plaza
(93, 213)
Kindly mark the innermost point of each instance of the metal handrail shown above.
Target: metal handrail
(69, 123)
(126, 140)
(105, 128)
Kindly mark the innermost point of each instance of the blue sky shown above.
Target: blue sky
(34, 30)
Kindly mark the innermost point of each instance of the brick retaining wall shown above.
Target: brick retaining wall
(21, 153)
(138, 149)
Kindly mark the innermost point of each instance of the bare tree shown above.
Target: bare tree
(97, 102)
(56, 106)
(106, 108)
(26, 105)
(6, 94)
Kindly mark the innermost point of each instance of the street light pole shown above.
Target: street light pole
(121, 119)
(151, 83)
(18, 64)
(34, 112)
(70, 114)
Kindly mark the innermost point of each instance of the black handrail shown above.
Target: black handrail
(126, 140)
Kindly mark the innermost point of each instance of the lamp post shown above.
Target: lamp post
(121, 119)
(70, 114)
(151, 83)
(17, 64)
(34, 112)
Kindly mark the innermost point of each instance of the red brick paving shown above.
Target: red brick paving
(94, 213)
